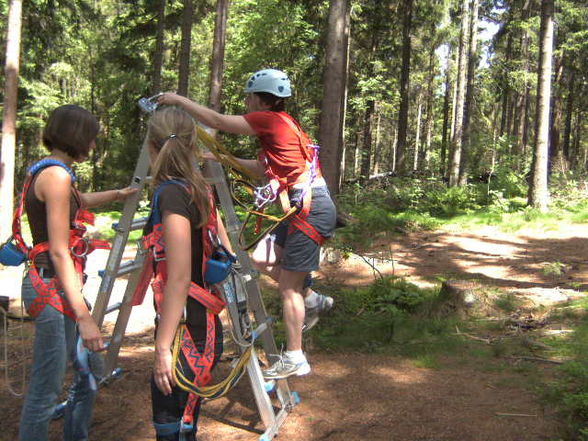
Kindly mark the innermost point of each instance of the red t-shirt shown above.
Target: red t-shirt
(280, 143)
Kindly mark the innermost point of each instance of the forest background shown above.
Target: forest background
(425, 110)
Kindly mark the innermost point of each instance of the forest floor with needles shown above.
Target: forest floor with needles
(363, 395)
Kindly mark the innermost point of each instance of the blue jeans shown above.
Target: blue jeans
(55, 340)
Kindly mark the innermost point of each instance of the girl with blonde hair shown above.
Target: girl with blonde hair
(181, 234)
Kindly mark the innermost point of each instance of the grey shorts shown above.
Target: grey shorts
(301, 253)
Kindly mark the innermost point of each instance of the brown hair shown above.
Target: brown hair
(172, 133)
(71, 129)
(276, 103)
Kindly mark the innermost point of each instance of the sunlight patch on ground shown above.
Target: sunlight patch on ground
(129, 352)
(334, 370)
(547, 296)
(402, 376)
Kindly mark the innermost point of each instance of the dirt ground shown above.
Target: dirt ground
(356, 396)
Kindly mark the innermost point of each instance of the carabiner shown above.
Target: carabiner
(84, 253)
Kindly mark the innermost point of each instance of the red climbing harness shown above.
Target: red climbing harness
(80, 247)
(281, 186)
(155, 271)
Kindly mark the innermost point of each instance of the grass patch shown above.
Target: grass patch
(105, 219)
(403, 205)
(508, 302)
(427, 361)
(569, 392)
(390, 316)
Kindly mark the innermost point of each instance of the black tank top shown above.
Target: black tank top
(37, 215)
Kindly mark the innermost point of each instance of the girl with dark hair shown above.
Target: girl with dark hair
(182, 231)
(289, 160)
(52, 288)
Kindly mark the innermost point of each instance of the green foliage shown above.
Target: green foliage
(570, 394)
(104, 220)
(387, 316)
(569, 391)
(553, 269)
(508, 302)
(408, 205)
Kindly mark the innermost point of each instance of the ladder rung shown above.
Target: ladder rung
(128, 267)
(262, 328)
(125, 268)
(137, 224)
(113, 307)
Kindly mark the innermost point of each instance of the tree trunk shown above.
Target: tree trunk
(9, 118)
(430, 111)
(394, 146)
(401, 148)
(504, 110)
(580, 163)
(184, 68)
(538, 191)
(469, 98)
(357, 155)
(446, 114)
(453, 100)
(218, 54)
(568, 123)
(345, 91)
(366, 156)
(504, 120)
(334, 83)
(417, 139)
(523, 98)
(159, 48)
(377, 152)
(556, 109)
(569, 112)
(462, 68)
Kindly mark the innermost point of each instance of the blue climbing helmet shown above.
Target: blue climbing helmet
(271, 81)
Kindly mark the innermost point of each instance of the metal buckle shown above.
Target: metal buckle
(157, 259)
(83, 253)
(264, 195)
(185, 428)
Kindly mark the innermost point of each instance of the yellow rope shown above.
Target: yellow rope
(215, 391)
(223, 155)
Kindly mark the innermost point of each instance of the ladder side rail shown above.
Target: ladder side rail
(121, 238)
(214, 171)
(262, 399)
(122, 319)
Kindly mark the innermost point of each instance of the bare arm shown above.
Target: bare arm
(255, 166)
(53, 187)
(178, 252)
(104, 197)
(227, 123)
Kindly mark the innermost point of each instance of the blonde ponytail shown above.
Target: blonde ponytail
(172, 134)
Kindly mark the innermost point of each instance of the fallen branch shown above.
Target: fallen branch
(540, 359)
(372, 265)
(516, 414)
(473, 337)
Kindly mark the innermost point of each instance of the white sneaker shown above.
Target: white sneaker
(312, 315)
(284, 368)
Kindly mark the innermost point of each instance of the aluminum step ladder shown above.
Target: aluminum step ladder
(241, 292)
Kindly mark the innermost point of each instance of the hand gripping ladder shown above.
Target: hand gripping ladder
(242, 292)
